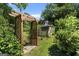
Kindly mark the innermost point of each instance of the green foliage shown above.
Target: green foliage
(64, 17)
(21, 6)
(68, 41)
(5, 9)
(70, 23)
(26, 33)
(8, 41)
(42, 49)
(67, 35)
(55, 51)
(10, 45)
(57, 11)
(27, 26)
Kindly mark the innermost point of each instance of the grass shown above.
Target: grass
(42, 48)
(25, 37)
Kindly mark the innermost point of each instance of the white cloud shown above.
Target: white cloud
(36, 16)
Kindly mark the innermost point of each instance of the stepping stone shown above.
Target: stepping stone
(27, 49)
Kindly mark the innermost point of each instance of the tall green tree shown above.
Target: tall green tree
(57, 11)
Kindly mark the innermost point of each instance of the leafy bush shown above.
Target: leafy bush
(69, 23)
(55, 51)
(66, 42)
(67, 35)
(9, 45)
(8, 41)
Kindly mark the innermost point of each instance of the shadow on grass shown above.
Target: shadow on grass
(55, 51)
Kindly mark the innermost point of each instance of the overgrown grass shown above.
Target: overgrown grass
(42, 48)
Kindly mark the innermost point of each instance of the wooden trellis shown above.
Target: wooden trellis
(20, 18)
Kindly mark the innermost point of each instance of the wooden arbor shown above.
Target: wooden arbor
(19, 27)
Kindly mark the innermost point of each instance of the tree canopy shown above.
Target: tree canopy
(57, 11)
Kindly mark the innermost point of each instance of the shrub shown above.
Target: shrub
(8, 41)
(69, 23)
(66, 45)
(55, 51)
(9, 44)
(67, 35)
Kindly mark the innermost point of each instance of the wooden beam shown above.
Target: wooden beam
(14, 14)
(27, 18)
(24, 17)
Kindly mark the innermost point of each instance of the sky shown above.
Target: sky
(34, 9)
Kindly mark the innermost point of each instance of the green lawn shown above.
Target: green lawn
(42, 48)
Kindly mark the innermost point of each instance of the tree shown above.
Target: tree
(57, 11)
(21, 6)
(7, 9)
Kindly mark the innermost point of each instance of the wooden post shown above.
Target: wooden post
(19, 31)
(34, 33)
